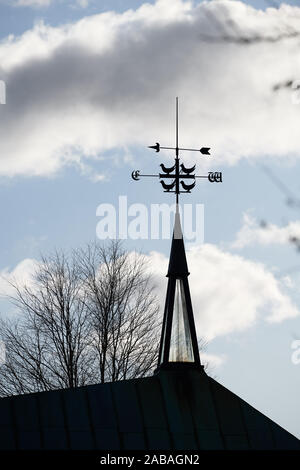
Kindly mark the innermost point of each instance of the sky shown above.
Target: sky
(90, 84)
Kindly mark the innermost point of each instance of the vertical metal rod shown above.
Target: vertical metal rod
(177, 149)
(177, 189)
(177, 155)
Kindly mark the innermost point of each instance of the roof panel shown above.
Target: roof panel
(184, 441)
(7, 439)
(127, 406)
(158, 439)
(7, 435)
(133, 441)
(210, 439)
(55, 438)
(258, 429)
(81, 440)
(27, 422)
(107, 439)
(283, 439)
(75, 403)
(29, 440)
(236, 442)
(26, 412)
(102, 409)
(151, 399)
(203, 404)
(51, 409)
(228, 410)
(259, 439)
(78, 422)
(175, 393)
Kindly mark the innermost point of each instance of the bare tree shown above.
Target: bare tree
(122, 309)
(87, 318)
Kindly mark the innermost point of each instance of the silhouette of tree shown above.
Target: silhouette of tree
(88, 318)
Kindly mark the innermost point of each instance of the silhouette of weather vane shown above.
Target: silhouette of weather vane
(178, 172)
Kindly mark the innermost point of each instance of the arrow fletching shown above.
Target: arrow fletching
(156, 147)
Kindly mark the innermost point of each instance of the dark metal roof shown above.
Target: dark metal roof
(175, 409)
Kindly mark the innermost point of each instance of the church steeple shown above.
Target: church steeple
(178, 343)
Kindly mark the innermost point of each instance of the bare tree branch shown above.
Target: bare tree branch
(92, 317)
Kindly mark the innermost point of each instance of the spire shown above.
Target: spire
(178, 343)
(177, 263)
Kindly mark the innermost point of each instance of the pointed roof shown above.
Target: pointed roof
(173, 410)
(177, 264)
(178, 344)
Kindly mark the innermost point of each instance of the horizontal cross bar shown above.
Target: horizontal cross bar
(156, 176)
(203, 150)
(181, 176)
(177, 192)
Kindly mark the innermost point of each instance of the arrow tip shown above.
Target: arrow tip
(205, 150)
(155, 147)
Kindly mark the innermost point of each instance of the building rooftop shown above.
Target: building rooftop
(176, 409)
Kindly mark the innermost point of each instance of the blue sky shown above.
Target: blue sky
(84, 99)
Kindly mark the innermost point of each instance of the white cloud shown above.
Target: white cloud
(80, 3)
(22, 275)
(252, 233)
(83, 3)
(213, 360)
(46, 3)
(32, 3)
(229, 293)
(109, 81)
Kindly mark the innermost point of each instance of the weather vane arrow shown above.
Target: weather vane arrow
(178, 172)
(157, 147)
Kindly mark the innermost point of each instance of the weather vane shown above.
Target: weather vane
(178, 172)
